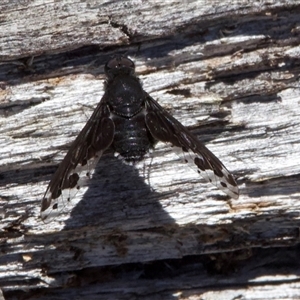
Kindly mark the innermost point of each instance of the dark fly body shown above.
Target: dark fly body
(130, 121)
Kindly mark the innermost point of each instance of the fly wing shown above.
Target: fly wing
(80, 161)
(166, 128)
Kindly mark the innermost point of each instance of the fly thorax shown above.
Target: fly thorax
(126, 97)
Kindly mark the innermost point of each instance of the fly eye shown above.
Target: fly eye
(126, 62)
(118, 63)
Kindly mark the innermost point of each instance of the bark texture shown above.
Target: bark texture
(226, 69)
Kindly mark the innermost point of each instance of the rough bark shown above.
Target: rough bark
(227, 70)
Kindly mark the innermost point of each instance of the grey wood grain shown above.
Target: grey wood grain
(228, 71)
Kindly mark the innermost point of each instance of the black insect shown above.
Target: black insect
(131, 122)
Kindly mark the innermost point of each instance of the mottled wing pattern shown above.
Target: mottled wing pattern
(80, 161)
(166, 128)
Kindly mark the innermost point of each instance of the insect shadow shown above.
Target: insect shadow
(120, 195)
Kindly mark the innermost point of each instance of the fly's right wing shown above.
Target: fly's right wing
(166, 128)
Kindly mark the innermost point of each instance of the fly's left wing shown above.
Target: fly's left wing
(166, 128)
(80, 161)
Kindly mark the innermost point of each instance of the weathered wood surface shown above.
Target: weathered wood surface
(228, 71)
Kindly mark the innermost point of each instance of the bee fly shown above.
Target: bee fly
(130, 121)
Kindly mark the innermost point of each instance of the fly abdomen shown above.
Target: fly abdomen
(132, 139)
